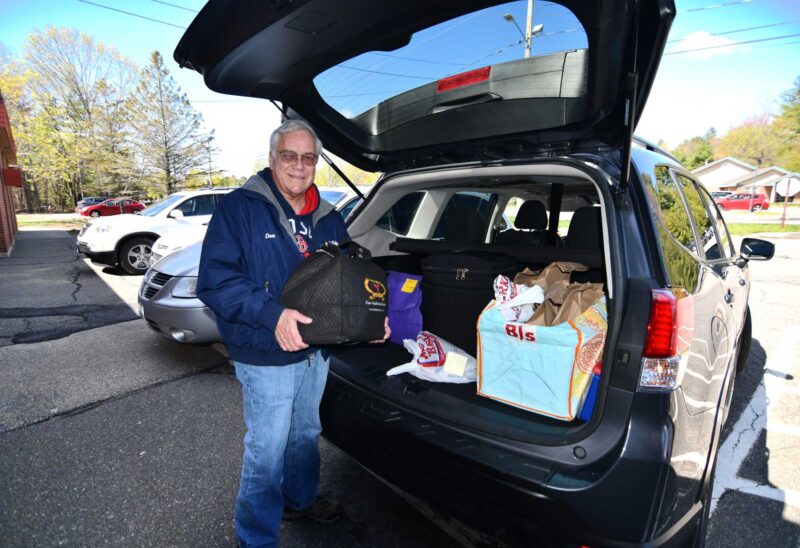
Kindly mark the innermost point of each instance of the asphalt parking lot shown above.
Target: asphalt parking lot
(111, 434)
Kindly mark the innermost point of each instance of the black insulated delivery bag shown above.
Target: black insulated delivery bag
(343, 292)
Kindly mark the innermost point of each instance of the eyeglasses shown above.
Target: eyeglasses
(290, 157)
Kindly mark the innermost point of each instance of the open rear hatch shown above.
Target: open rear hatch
(390, 85)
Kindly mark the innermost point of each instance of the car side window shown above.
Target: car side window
(676, 217)
(703, 223)
(725, 248)
(478, 201)
(345, 210)
(399, 217)
(675, 234)
(198, 205)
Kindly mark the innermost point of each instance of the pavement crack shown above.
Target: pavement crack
(73, 279)
(750, 428)
(86, 407)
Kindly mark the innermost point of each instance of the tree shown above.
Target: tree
(787, 125)
(326, 176)
(76, 81)
(167, 127)
(755, 141)
(696, 151)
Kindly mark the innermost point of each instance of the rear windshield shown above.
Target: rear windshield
(494, 37)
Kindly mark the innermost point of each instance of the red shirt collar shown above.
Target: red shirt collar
(312, 200)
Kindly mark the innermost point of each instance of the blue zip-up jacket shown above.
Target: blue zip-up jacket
(248, 253)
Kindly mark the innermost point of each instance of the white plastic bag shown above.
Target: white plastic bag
(436, 360)
(514, 301)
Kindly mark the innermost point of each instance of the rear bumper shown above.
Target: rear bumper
(451, 471)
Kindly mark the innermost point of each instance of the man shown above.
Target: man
(256, 238)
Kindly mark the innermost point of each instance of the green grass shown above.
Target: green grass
(51, 223)
(742, 229)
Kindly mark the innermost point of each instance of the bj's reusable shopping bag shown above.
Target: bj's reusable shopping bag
(543, 369)
(344, 293)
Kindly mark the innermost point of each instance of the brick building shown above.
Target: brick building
(9, 177)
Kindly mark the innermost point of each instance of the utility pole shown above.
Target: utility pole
(529, 30)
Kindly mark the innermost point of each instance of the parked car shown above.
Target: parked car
(114, 206)
(749, 201)
(180, 315)
(127, 240)
(88, 201)
(554, 131)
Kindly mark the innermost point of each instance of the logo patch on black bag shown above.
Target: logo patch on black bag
(376, 290)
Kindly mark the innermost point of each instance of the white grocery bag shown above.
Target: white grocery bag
(437, 360)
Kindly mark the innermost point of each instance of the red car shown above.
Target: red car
(744, 200)
(113, 206)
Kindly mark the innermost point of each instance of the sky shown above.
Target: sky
(726, 61)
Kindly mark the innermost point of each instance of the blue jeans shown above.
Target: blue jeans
(281, 456)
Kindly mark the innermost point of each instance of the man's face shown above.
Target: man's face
(293, 178)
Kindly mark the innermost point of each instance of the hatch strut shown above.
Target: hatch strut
(328, 161)
(629, 113)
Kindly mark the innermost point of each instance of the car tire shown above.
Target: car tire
(94, 214)
(136, 211)
(756, 207)
(745, 342)
(134, 255)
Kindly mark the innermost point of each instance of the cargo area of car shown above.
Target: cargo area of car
(365, 365)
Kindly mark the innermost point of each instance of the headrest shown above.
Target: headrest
(464, 226)
(532, 215)
(585, 229)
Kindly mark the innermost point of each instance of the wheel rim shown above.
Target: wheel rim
(95, 214)
(139, 256)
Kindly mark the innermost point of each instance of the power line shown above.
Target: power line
(733, 44)
(174, 6)
(132, 14)
(741, 30)
(715, 6)
(429, 78)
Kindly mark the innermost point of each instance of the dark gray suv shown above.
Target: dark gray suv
(435, 95)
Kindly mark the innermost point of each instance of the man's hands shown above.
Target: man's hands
(387, 332)
(286, 332)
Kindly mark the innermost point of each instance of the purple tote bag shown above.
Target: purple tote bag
(405, 298)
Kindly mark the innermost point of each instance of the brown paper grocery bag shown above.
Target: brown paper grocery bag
(552, 273)
(578, 298)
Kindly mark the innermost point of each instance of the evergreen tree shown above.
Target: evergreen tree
(167, 129)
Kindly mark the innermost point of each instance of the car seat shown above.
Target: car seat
(530, 227)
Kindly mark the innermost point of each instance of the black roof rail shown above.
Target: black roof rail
(654, 147)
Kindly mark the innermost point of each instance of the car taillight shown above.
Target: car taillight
(463, 79)
(669, 334)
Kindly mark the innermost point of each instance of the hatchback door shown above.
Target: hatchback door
(392, 84)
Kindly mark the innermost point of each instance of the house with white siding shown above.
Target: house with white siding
(720, 172)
